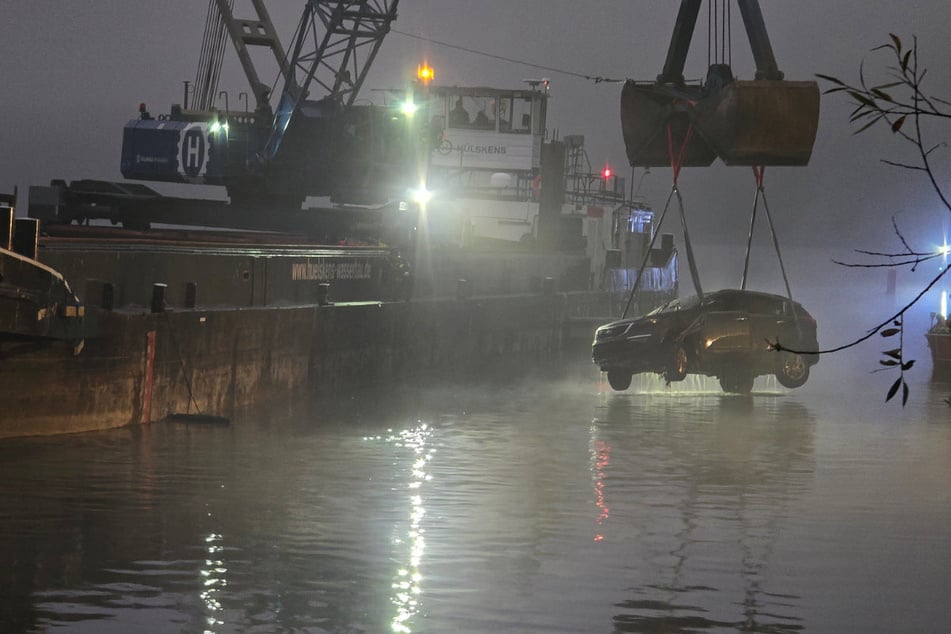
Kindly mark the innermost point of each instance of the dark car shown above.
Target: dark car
(726, 334)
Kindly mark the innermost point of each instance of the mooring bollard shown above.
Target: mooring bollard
(323, 293)
(158, 297)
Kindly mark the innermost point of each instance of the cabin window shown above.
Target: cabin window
(515, 115)
(462, 110)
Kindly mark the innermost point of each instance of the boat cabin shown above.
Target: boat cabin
(489, 134)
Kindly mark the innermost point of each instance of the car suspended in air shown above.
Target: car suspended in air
(726, 334)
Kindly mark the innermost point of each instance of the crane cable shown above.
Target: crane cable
(598, 79)
(210, 59)
(719, 33)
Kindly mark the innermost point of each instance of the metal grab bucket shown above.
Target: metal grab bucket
(758, 122)
(646, 109)
(761, 122)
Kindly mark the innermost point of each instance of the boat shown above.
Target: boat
(938, 337)
(122, 305)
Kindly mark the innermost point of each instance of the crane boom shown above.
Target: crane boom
(258, 32)
(341, 31)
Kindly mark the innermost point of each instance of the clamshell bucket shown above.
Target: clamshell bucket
(646, 111)
(761, 122)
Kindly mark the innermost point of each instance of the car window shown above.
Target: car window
(689, 302)
(676, 304)
(766, 305)
(666, 307)
(752, 304)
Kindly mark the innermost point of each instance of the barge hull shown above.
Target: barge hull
(214, 362)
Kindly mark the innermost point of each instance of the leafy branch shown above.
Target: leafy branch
(901, 104)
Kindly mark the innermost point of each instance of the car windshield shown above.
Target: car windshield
(675, 305)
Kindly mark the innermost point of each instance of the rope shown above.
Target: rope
(647, 255)
(675, 163)
(758, 174)
(691, 261)
(779, 256)
(181, 361)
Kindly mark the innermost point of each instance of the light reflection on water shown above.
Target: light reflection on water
(410, 543)
(543, 506)
(214, 582)
(708, 494)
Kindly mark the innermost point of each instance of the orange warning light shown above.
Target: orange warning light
(425, 73)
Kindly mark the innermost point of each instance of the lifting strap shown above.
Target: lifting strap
(758, 174)
(675, 163)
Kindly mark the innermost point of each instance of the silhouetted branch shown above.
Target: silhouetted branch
(903, 111)
(872, 332)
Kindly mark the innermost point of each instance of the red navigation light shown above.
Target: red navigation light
(606, 173)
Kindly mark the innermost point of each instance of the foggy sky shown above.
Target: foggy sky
(74, 73)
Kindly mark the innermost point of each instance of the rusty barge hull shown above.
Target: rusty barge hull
(214, 362)
(245, 324)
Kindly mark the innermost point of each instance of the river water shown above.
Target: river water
(539, 503)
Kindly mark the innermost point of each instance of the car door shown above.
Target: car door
(724, 325)
(769, 320)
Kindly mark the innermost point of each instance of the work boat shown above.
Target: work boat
(501, 182)
(939, 343)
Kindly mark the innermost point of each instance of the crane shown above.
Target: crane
(312, 143)
(765, 121)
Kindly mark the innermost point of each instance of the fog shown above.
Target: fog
(75, 72)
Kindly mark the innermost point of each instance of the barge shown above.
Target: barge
(121, 305)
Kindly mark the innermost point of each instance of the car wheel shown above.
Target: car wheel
(793, 371)
(619, 380)
(737, 382)
(676, 369)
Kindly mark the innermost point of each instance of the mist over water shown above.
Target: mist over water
(536, 500)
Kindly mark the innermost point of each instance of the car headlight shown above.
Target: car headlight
(612, 331)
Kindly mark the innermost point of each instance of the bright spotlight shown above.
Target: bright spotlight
(408, 107)
(421, 195)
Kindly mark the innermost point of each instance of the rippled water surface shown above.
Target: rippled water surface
(543, 505)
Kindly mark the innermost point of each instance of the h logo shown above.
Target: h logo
(192, 156)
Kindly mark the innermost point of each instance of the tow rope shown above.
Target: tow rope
(676, 163)
(758, 174)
